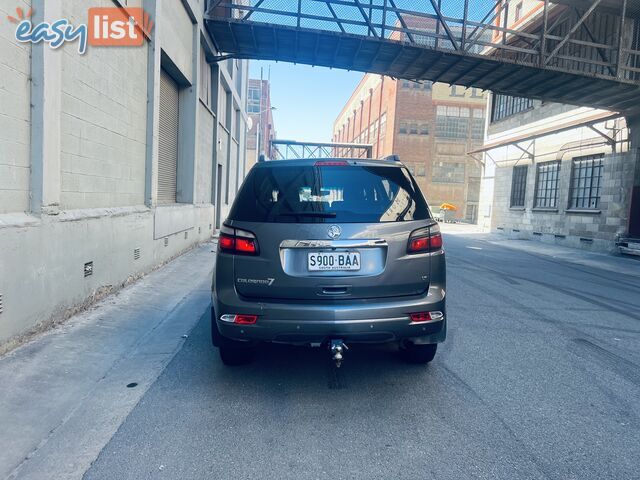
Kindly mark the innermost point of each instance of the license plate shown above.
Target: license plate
(333, 261)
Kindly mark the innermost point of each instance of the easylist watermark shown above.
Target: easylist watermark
(107, 27)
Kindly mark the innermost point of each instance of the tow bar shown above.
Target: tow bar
(337, 347)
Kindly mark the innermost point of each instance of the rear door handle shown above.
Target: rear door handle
(335, 290)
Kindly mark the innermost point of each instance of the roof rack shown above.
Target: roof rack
(391, 158)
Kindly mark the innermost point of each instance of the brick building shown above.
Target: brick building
(112, 161)
(430, 126)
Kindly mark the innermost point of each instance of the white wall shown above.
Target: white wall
(96, 200)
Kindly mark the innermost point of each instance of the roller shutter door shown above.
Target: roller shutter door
(168, 139)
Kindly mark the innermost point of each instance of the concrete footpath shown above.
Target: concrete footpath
(624, 264)
(65, 393)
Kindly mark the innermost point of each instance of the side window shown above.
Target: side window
(519, 185)
(547, 185)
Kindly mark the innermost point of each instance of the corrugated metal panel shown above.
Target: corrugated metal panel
(168, 139)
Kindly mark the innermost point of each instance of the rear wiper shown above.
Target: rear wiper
(309, 214)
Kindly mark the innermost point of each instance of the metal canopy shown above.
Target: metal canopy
(596, 118)
(566, 51)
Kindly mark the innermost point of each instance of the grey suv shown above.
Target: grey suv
(328, 253)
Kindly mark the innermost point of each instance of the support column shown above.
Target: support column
(153, 105)
(633, 123)
(188, 155)
(46, 94)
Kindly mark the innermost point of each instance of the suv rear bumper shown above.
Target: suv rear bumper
(355, 321)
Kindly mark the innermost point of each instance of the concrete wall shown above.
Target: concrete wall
(91, 144)
(15, 70)
(594, 230)
(588, 229)
(206, 123)
(102, 122)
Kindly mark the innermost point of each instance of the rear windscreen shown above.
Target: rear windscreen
(327, 194)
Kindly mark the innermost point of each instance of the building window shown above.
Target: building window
(519, 185)
(448, 172)
(205, 79)
(420, 172)
(406, 84)
(424, 129)
(477, 128)
(547, 185)
(253, 100)
(518, 11)
(452, 127)
(504, 106)
(224, 109)
(413, 129)
(454, 122)
(476, 93)
(238, 124)
(403, 128)
(457, 91)
(586, 180)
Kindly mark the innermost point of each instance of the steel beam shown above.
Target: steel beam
(444, 24)
(366, 19)
(620, 58)
(572, 31)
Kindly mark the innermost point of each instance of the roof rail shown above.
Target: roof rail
(391, 158)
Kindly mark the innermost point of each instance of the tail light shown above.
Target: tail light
(238, 242)
(240, 319)
(426, 317)
(425, 240)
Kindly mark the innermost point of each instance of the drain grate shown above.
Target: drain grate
(88, 269)
(186, 235)
(166, 241)
(136, 254)
(1, 306)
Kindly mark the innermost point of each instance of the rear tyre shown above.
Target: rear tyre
(232, 352)
(419, 354)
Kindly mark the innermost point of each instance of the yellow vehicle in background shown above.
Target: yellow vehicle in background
(447, 213)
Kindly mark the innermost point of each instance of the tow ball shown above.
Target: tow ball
(337, 348)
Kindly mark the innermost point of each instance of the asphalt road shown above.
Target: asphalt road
(539, 378)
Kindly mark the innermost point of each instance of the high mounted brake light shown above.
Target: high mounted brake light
(425, 240)
(331, 163)
(238, 242)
